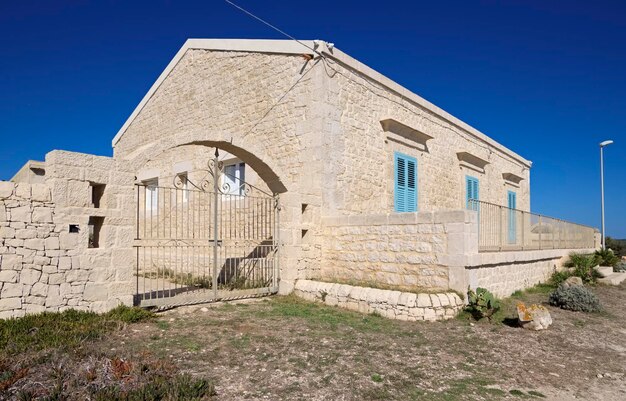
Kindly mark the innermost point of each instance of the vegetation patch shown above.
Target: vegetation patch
(63, 330)
(575, 298)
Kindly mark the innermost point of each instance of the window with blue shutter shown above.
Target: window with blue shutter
(471, 192)
(512, 204)
(405, 188)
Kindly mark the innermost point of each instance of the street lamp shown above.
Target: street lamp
(602, 145)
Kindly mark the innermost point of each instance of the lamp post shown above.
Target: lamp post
(602, 145)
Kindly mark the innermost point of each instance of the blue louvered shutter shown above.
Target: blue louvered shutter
(512, 203)
(471, 192)
(405, 187)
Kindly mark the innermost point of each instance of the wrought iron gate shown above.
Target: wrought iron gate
(205, 242)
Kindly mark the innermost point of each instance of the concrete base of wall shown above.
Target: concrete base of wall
(388, 303)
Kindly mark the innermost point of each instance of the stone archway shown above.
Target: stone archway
(259, 216)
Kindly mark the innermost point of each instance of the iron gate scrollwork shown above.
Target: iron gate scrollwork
(206, 241)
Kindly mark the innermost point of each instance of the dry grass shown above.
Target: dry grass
(283, 348)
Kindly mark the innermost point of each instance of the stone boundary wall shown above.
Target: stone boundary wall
(45, 266)
(388, 303)
(503, 273)
(406, 250)
(38, 270)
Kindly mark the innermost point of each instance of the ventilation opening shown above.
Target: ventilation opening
(97, 193)
(95, 226)
(74, 228)
(38, 171)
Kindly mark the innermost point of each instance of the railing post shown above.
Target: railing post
(523, 229)
(500, 225)
(540, 229)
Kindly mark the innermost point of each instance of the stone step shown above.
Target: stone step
(613, 278)
(605, 270)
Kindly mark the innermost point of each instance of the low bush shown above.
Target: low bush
(583, 267)
(481, 303)
(606, 257)
(559, 277)
(575, 298)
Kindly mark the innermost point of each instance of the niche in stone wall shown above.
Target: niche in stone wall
(97, 194)
(95, 227)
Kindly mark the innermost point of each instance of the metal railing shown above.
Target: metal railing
(504, 229)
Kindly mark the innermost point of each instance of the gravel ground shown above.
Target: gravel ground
(282, 348)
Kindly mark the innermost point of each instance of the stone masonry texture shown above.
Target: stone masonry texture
(310, 130)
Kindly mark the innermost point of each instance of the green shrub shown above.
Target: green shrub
(559, 277)
(481, 303)
(583, 266)
(575, 298)
(127, 314)
(606, 257)
(620, 267)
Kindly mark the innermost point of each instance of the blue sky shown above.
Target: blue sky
(545, 78)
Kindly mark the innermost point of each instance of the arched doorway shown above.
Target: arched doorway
(206, 234)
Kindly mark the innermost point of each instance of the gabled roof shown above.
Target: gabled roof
(305, 47)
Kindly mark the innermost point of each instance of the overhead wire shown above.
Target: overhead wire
(327, 62)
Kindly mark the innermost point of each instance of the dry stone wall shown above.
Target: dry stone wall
(38, 269)
(47, 262)
(390, 304)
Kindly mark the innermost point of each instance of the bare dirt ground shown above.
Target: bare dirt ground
(282, 348)
(287, 349)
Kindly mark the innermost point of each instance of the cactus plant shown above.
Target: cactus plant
(481, 303)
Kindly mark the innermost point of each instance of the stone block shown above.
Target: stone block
(26, 233)
(41, 260)
(39, 290)
(21, 214)
(6, 189)
(56, 278)
(11, 290)
(42, 215)
(33, 300)
(95, 292)
(29, 276)
(3, 213)
(7, 232)
(68, 240)
(77, 275)
(7, 304)
(41, 193)
(23, 190)
(11, 262)
(52, 243)
(34, 308)
(65, 263)
(9, 276)
(34, 243)
(423, 301)
(443, 299)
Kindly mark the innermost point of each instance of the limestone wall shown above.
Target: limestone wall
(406, 250)
(503, 273)
(41, 268)
(47, 262)
(390, 304)
(364, 152)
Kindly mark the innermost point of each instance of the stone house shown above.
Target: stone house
(259, 166)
